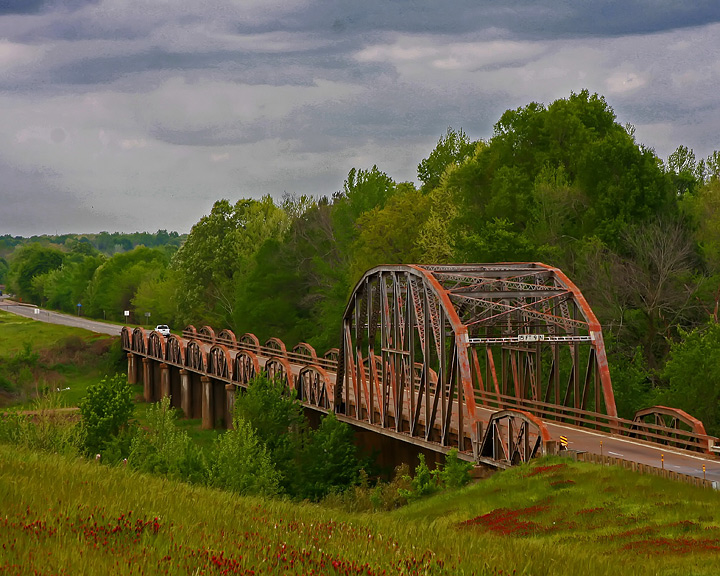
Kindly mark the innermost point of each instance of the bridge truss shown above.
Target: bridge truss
(425, 347)
(477, 357)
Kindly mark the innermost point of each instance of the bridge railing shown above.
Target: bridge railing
(268, 351)
(676, 437)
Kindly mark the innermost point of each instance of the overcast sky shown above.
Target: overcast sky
(136, 115)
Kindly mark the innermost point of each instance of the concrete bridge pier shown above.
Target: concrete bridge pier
(230, 405)
(132, 369)
(185, 393)
(207, 403)
(164, 380)
(147, 380)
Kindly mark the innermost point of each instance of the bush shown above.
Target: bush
(277, 420)
(455, 473)
(241, 463)
(106, 410)
(422, 484)
(163, 449)
(328, 460)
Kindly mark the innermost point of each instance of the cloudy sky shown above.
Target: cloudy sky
(136, 115)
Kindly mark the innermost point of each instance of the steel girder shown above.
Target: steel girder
(424, 347)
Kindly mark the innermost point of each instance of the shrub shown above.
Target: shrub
(106, 410)
(161, 448)
(277, 420)
(422, 484)
(329, 459)
(455, 473)
(241, 463)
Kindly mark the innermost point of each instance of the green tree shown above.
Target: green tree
(389, 235)
(454, 473)
(4, 269)
(685, 171)
(64, 287)
(452, 149)
(571, 154)
(277, 420)
(219, 254)
(31, 261)
(106, 409)
(329, 459)
(240, 462)
(116, 281)
(692, 374)
(160, 447)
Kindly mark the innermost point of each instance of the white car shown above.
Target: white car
(163, 329)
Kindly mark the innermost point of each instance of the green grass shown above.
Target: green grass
(15, 331)
(68, 359)
(550, 518)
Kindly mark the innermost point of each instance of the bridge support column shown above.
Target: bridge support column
(147, 380)
(207, 403)
(132, 368)
(185, 393)
(230, 404)
(164, 380)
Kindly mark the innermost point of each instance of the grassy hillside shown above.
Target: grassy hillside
(38, 356)
(60, 516)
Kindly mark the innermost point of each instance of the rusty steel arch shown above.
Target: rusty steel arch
(512, 335)
(156, 346)
(219, 363)
(313, 387)
(332, 355)
(306, 351)
(276, 346)
(139, 341)
(279, 368)
(190, 332)
(670, 426)
(194, 356)
(250, 341)
(206, 334)
(175, 351)
(246, 367)
(227, 337)
(514, 436)
(126, 338)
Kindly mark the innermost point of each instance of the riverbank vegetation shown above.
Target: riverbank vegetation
(563, 183)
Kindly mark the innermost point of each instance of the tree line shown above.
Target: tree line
(564, 183)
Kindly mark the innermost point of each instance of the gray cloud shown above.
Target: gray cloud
(134, 114)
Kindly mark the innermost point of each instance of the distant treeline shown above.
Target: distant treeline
(564, 184)
(105, 242)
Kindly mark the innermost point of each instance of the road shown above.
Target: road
(31, 311)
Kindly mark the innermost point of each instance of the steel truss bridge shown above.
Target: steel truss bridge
(496, 360)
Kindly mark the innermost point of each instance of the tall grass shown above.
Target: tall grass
(60, 515)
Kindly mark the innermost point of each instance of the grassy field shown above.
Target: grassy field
(554, 517)
(61, 516)
(66, 358)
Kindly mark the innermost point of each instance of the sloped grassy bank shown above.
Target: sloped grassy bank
(37, 357)
(63, 516)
